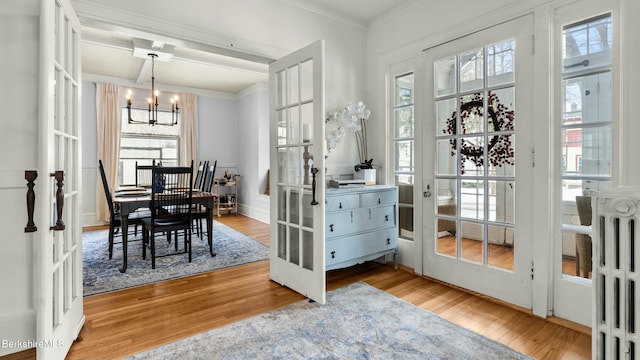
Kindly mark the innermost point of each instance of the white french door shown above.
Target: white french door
(59, 246)
(477, 168)
(585, 42)
(297, 171)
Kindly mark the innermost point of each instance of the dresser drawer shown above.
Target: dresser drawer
(378, 198)
(353, 247)
(343, 202)
(339, 223)
(342, 223)
(375, 218)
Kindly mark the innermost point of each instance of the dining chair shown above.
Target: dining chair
(143, 175)
(200, 175)
(584, 262)
(171, 208)
(199, 211)
(115, 222)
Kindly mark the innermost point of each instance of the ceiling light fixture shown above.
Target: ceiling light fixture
(153, 102)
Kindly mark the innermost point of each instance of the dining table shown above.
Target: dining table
(130, 201)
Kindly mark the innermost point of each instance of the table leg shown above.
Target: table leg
(210, 229)
(124, 221)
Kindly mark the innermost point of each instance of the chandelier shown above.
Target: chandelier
(153, 102)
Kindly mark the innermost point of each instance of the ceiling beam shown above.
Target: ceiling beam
(143, 74)
(89, 21)
(219, 61)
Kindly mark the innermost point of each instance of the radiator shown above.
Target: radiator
(616, 218)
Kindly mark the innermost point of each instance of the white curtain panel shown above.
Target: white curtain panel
(108, 106)
(189, 129)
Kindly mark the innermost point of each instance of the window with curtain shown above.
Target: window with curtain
(144, 143)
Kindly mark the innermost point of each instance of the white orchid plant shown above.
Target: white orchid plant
(351, 117)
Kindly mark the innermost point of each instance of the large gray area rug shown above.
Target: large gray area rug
(358, 322)
(102, 275)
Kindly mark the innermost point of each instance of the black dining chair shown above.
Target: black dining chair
(199, 211)
(115, 222)
(143, 175)
(200, 175)
(171, 208)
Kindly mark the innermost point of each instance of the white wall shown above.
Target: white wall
(89, 155)
(19, 41)
(253, 151)
(218, 131)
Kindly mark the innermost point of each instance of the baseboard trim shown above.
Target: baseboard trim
(19, 327)
(254, 213)
(91, 219)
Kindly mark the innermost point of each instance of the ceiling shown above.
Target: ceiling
(109, 54)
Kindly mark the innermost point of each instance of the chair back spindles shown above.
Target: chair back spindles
(171, 201)
(171, 192)
(200, 174)
(143, 175)
(210, 175)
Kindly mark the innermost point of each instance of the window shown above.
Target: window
(403, 119)
(144, 143)
(404, 146)
(585, 126)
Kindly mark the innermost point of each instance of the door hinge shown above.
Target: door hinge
(532, 270)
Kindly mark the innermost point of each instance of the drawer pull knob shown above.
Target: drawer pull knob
(388, 241)
(331, 227)
(333, 254)
(386, 218)
(340, 206)
(379, 202)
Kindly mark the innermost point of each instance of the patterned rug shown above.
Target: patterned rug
(358, 322)
(103, 275)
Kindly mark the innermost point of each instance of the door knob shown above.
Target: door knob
(314, 171)
(427, 192)
(59, 177)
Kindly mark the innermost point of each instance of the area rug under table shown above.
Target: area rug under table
(101, 274)
(358, 322)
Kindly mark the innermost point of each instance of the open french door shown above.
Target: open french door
(477, 163)
(58, 262)
(297, 171)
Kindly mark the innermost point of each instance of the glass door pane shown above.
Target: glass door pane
(475, 165)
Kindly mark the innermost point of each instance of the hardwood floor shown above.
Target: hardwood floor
(499, 256)
(132, 320)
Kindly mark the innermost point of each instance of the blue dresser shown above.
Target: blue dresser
(361, 224)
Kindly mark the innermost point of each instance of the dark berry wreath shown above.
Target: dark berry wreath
(499, 148)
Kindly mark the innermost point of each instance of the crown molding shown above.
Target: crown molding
(328, 13)
(86, 77)
(110, 18)
(261, 86)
